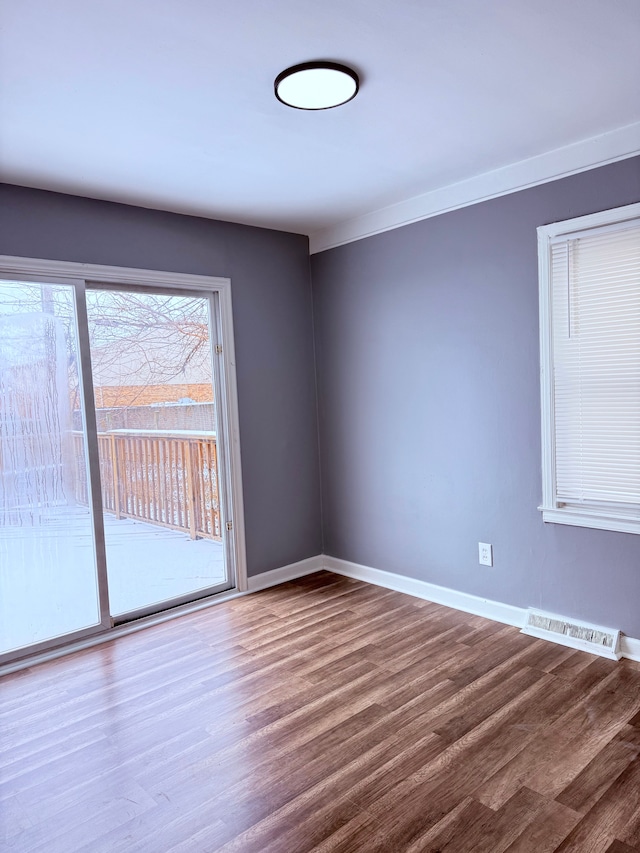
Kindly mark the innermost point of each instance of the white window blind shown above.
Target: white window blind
(595, 336)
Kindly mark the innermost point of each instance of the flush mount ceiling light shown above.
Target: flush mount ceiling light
(316, 85)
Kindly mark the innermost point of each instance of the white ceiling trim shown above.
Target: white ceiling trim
(562, 162)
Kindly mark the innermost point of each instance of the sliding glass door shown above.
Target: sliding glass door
(48, 572)
(157, 436)
(116, 468)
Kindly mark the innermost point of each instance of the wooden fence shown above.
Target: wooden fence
(164, 478)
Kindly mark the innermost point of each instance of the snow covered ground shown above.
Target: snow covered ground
(47, 572)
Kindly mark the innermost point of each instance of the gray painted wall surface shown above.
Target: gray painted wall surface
(429, 404)
(269, 271)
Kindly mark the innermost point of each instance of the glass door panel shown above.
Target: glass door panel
(48, 576)
(157, 437)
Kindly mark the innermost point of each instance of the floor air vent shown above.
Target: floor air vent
(571, 632)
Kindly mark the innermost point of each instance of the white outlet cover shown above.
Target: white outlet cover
(485, 554)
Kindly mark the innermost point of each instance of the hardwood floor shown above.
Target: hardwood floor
(323, 715)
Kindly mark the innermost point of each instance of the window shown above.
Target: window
(590, 369)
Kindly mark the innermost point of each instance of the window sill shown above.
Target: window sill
(590, 518)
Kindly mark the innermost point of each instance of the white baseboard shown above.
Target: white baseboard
(499, 612)
(286, 573)
(495, 610)
(630, 647)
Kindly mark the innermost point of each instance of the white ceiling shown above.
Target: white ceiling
(169, 103)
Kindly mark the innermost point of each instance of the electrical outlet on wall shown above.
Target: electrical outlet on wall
(485, 553)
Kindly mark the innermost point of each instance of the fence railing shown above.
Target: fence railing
(165, 478)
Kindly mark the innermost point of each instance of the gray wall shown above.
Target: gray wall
(427, 348)
(429, 404)
(269, 272)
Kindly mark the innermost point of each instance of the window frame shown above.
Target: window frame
(626, 519)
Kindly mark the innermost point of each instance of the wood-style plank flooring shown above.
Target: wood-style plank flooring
(322, 715)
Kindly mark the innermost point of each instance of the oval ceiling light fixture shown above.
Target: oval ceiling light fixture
(316, 85)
